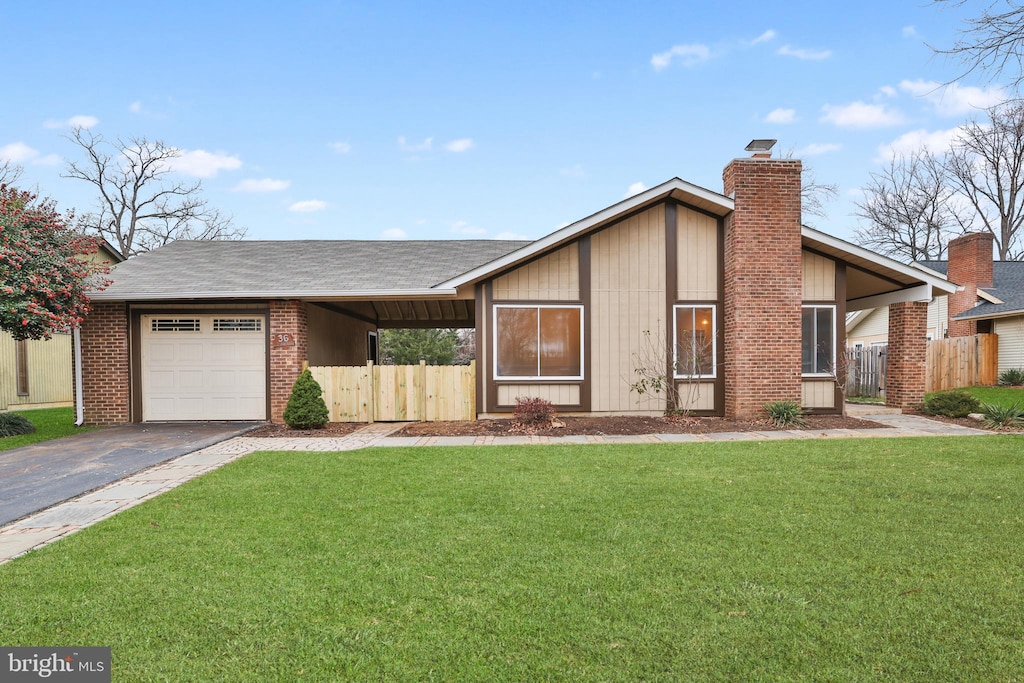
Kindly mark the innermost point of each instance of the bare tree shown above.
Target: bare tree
(9, 173)
(991, 43)
(986, 166)
(814, 195)
(141, 205)
(908, 208)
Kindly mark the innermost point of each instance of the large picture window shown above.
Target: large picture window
(695, 345)
(818, 350)
(538, 342)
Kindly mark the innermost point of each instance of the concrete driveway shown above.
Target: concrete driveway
(35, 477)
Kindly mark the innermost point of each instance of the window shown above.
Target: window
(818, 350)
(174, 325)
(238, 324)
(695, 341)
(538, 342)
(372, 347)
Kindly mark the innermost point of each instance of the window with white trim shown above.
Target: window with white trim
(695, 345)
(541, 342)
(818, 347)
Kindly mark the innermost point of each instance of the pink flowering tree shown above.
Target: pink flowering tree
(44, 268)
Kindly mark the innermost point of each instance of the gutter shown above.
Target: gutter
(76, 335)
(307, 295)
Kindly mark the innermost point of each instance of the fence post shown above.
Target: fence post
(420, 386)
(371, 393)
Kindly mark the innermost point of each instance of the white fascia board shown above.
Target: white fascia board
(937, 281)
(856, 318)
(989, 316)
(327, 295)
(991, 298)
(918, 293)
(583, 225)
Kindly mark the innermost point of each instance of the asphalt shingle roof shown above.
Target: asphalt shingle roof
(1008, 287)
(185, 268)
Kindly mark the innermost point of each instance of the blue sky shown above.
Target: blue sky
(319, 120)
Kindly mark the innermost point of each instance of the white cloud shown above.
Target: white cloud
(262, 185)
(635, 188)
(936, 141)
(954, 99)
(688, 55)
(909, 32)
(425, 146)
(781, 116)
(135, 107)
(860, 115)
(203, 164)
(574, 171)
(464, 228)
(341, 147)
(48, 160)
(512, 236)
(17, 152)
(76, 121)
(815, 149)
(764, 37)
(308, 206)
(802, 53)
(460, 145)
(393, 234)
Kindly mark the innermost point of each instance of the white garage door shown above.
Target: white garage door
(203, 367)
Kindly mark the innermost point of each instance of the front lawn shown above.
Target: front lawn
(51, 423)
(846, 560)
(1000, 396)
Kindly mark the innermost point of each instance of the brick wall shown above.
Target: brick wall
(970, 265)
(763, 285)
(286, 317)
(105, 381)
(908, 340)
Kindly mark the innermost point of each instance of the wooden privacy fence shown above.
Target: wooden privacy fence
(865, 370)
(398, 393)
(962, 362)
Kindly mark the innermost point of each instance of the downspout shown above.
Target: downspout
(77, 358)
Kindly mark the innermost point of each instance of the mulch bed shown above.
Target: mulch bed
(598, 426)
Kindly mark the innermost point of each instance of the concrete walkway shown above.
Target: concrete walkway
(68, 517)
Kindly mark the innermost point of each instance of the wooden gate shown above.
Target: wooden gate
(398, 393)
(865, 370)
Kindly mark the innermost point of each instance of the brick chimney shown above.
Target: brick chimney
(763, 284)
(970, 265)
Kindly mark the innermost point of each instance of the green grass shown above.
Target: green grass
(1000, 396)
(51, 423)
(852, 560)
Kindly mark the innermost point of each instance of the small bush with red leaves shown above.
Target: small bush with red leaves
(532, 411)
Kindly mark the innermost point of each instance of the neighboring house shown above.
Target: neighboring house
(991, 301)
(743, 300)
(37, 373)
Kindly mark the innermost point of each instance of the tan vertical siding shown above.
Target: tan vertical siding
(819, 394)
(555, 277)
(1011, 342)
(696, 396)
(628, 297)
(335, 339)
(697, 250)
(558, 394)
(819, 277)
(49, 371)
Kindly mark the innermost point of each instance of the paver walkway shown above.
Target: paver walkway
(66, 518)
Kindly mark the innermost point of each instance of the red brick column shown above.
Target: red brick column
(908, 333)
(106, 393)
(763, 277)
(286, 318)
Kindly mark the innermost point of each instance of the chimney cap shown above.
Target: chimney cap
(761, 146)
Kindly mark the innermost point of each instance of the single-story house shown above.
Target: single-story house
(991, 301)
(743, 298)
(36, 373)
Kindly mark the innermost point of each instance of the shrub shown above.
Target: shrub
(1003, 417)
(306, 408)
(1014, 377)
(532, 411)
(12, 424)
(785, 414)
(956, 403)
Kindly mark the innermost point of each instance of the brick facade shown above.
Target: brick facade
(763, 285)
(970, 265)
(105, 365)
(286, 317)
(908, 339)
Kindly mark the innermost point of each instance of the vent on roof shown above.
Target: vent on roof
(175, 325)
(238, 324)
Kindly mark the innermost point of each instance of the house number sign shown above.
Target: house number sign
(279, 339)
